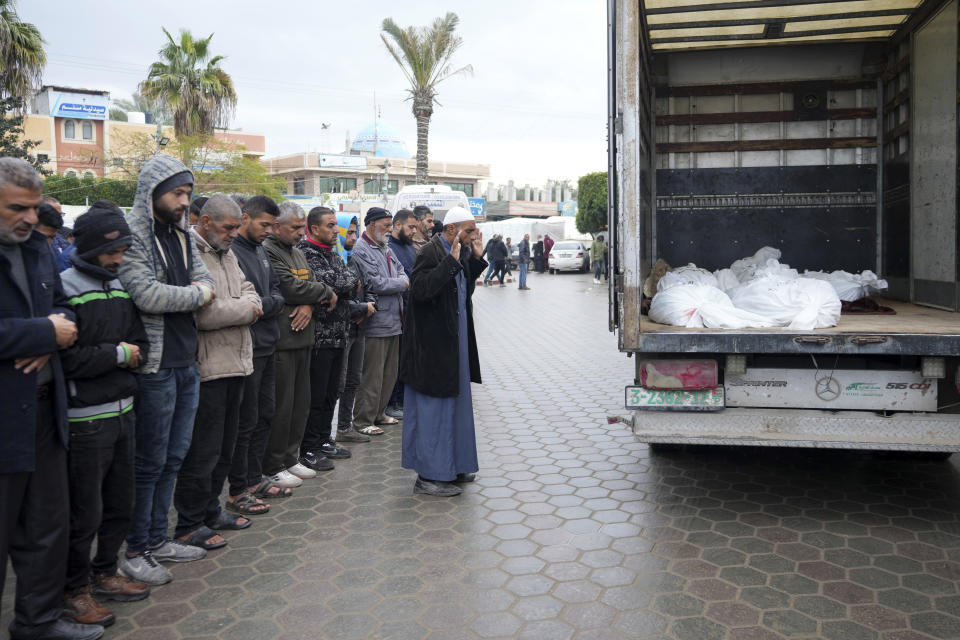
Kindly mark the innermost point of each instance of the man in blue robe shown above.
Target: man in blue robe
(439, 359)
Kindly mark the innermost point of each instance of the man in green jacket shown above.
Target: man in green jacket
(598, 253)
(301, 291)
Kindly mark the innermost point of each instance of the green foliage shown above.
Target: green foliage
(243, 175)
(592, 202)
(22, 57)
(80, 191)
(424, 55)
(190, 81)
(118, 115)
(12, 142)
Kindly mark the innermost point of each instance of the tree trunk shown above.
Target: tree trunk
(422, 110)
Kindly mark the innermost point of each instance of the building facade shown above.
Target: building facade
(77, 137)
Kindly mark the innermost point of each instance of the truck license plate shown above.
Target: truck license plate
(660, 400)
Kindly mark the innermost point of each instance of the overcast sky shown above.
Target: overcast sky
(534, 109)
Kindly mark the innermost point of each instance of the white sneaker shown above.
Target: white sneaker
(302, 471)
(144, 568)
(285, 479)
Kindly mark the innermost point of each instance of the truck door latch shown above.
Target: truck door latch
(812, 340)
(862, 340)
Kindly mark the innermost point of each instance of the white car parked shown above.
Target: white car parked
(569, 255)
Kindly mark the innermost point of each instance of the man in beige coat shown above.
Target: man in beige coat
(225, 356)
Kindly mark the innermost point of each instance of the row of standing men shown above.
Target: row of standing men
(171, 360)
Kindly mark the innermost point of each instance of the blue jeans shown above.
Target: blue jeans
(598, 270)
(166, 406)
(523, 274)
(486, 278)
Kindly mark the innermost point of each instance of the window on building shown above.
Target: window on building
(299, 186)
(87, 129)
(70, 129)
(337, 185)
(393, 186)
(374, 186)
(466, 187)
(43, 157)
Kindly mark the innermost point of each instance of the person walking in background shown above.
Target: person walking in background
(538, 255)
(225, 357)
(507, 264)
(247, 483)
(497, 252)
(492, 263)
(36, 322)
(598, 253)
(384, 277)
(330, 335)
(99, 367)
(301, 292)
(440, 359)
(168, 282)
(362, 306)
(547, 247)
(400, 242)
(523, 258)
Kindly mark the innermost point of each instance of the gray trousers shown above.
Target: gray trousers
(381, 357)
(350, 380)
(293, 406)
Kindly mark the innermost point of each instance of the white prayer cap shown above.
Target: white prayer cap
(457, 214)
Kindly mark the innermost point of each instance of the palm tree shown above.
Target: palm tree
(21, 54)
(199, 93)
(424, 57)
(137, 102)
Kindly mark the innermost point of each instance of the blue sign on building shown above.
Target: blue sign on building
(477, 206)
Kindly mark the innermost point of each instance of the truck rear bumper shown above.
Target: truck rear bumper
(802, 428)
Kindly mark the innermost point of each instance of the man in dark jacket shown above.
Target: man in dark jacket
(400, 242)
(440, 359)
(497, 253)
(247, 484)
(326, 359)
(35, 323)
(301, 294)
(99, 370)
(523, 258)
(362, 306)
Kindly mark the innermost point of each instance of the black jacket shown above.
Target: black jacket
(24, 334)
(330, 327)
(358, 304)
(106, 316)
(429, 360)
(497, 251)
(256, 267)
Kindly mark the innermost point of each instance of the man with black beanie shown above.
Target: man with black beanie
(168, 282)
(99, 369)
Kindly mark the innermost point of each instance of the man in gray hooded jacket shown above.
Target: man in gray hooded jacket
(168, 282)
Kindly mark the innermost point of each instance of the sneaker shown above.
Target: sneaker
(144, 568)
(178, 551)
(435, 488)
(61, 629)
(116, 587)
(83, 608)
(287, 479)
(302, 471)
(395, 412)
(332, 451)
(315, 460)
(349, 435)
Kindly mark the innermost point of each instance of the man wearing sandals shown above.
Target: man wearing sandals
(384, 275)
(247, 482)
(225, 357)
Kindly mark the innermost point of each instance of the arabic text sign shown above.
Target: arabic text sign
(80, 106)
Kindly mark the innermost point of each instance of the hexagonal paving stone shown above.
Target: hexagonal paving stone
(820, 607)
(678, 605)
(848, 592)
(732, 614)
(764, 597)
(904, 600)
(936, 624)
(789, 623)
(845, 630)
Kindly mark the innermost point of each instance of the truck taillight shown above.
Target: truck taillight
(679, 374)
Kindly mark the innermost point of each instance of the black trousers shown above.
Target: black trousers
(197, 496)
(326, 365)
(396, 398)
(500, 271)
(101, 494)
(256, 413)
(350, 380)
(35, 528)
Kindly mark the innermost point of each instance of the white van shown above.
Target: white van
(440, 199)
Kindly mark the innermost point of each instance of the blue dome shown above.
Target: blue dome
(388, 142)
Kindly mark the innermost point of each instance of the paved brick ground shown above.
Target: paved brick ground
(574, 530)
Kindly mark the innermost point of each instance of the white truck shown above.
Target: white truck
(828, 130)
(440, 199)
